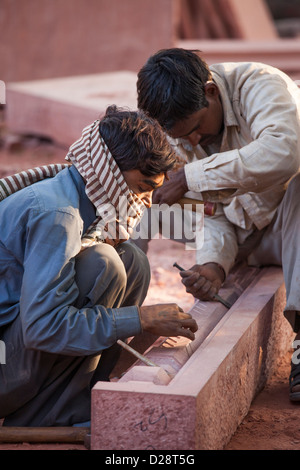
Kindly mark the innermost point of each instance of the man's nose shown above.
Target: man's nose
(147, 199)
(194, 138)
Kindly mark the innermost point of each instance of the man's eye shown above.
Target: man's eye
(143, 190)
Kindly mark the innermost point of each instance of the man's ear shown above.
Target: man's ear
(211, 89)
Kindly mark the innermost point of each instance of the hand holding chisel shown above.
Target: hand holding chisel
(216, 296)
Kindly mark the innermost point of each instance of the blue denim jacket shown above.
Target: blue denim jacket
(40, 234)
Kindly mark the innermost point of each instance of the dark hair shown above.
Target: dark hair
(136, 141)
(170, 85)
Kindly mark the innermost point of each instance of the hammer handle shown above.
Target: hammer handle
(71, 434)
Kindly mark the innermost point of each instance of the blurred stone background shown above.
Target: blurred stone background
(63, 61)
(57, 38)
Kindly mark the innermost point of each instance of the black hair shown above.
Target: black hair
(136, 141)
(171, 85)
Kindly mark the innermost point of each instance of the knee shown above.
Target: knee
(136, 261)
(100, 262)
(111, 267)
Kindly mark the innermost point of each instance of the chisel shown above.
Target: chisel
(216, 296)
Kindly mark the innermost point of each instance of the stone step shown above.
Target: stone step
(281, 53)
(60, 108)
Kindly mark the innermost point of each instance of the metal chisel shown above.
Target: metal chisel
(216, 296)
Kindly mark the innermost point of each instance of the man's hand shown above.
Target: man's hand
(167, 320)
(174, 187)
(203, 281)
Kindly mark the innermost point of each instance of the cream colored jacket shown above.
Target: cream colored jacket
(248, 171)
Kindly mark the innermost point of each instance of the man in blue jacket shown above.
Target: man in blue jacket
(71, 284)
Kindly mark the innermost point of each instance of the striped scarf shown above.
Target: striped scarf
(118, 210)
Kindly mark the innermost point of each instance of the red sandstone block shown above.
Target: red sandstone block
(60, 108)
(201, 407)
(141, 417)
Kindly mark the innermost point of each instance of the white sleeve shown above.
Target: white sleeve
(220, 241)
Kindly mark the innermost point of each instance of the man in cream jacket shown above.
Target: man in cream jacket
(237, 126)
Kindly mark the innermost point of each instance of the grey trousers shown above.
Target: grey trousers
(44, 389)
